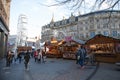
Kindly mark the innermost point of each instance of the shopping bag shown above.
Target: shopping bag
(78, 57)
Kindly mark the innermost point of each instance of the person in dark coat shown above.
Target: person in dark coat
(19, 56)
(26, 58)
(81, 54)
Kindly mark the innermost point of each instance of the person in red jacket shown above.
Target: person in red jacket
(35, 55)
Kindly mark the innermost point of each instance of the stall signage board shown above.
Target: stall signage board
(68, 38)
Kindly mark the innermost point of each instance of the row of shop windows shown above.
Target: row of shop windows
(105, 33)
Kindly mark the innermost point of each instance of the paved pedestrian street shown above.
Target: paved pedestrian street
(53, 69)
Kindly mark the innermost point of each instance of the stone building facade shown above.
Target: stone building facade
(84, 26)
(4, 25)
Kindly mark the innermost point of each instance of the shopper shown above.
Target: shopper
(35, 55)
(81, 54)
(8, 58)
(26, 59)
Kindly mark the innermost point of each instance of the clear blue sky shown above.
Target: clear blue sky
(37, 14)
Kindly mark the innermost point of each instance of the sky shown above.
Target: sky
(38, 15)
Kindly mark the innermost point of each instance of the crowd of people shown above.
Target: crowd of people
(38, 55)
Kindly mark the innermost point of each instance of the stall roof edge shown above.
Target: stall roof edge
(100, 35)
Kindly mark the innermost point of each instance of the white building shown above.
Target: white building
(84, 26)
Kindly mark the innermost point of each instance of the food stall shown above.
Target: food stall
(104, 48)
(53, 47)
(70, 47)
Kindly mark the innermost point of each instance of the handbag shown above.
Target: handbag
(78, 57)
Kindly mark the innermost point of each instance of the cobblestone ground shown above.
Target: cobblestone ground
(53, 69)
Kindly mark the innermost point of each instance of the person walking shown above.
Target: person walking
(8, 58)
(40, 55)
(19, 57)
(26, 59)
(35, 55)
(43, 56)
(77, 55)
(81, 56)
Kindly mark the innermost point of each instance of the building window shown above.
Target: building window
(118, 34)
(92, 34)
(105, 33)
(81, 28)
(105, 25)
(99, 32)
(67, 21)
(86, 28)
(114, 33)
(97, 20)
(91, 26)
(76, 18)
(81, 36)
(87, 35)
(98, 26)
(113, 26)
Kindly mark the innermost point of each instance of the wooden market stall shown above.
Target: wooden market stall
(53, 47)
(69, 48)
(104, 48)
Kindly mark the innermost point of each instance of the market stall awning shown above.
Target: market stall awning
(79, 41)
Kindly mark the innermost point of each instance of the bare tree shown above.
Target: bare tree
(91, 4)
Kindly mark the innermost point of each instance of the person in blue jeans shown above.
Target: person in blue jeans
(81, 56)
